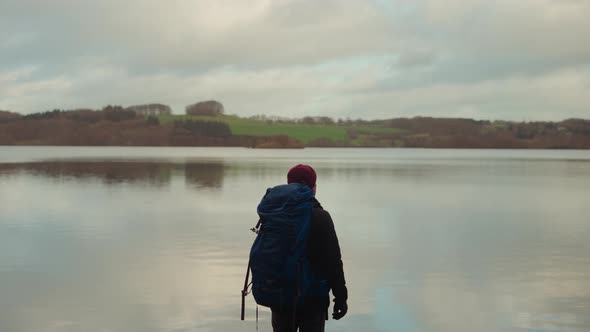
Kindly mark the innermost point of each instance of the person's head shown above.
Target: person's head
(302, 174)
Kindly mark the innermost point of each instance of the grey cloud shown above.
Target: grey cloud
(416, 58)
(487, 40)
(163, 36)
(361, 59)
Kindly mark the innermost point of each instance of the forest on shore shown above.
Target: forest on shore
(209, 126)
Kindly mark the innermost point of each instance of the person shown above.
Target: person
(324, 255)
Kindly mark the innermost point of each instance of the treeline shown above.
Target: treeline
(435, 133)
(206, 108)
(115, 125)
(6, 115)
(108, 113)
(119, 113)
(204, 128)
(312, 120)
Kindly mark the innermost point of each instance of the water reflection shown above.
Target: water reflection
(197, 175)
(208, 174)
(429, 245)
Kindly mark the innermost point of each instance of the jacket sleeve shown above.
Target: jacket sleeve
(330, 257)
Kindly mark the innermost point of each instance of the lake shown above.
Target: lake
(124, 239)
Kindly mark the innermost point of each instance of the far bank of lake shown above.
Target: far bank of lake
(116, 126)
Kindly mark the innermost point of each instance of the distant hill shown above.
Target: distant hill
(114, 125)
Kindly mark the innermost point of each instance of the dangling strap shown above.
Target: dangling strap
(245, 291)
(256, 317)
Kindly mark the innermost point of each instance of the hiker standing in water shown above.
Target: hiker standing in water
(295, 259)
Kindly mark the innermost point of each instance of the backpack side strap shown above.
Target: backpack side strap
(247, 285)
(245, 291)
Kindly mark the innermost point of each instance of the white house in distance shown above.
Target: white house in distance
(151, 109)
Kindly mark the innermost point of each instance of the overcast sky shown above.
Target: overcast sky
(503, 59)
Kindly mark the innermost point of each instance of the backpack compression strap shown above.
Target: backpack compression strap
(246, 284)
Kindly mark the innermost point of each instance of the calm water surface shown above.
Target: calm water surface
(157, 239)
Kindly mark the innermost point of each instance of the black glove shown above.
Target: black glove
(340, 309)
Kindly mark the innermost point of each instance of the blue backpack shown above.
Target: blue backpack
(281, 274)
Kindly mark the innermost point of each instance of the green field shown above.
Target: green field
(304, 133)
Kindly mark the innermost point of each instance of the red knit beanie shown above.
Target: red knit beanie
(302, 174)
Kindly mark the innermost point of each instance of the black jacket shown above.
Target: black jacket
(324, 256)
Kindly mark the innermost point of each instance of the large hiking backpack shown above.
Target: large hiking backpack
(281, 275)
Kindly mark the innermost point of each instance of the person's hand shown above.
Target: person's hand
(340, 309)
